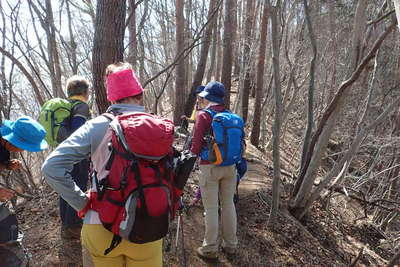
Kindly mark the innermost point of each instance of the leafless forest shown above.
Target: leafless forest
(317, 83)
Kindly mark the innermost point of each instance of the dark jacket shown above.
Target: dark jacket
(4, 155)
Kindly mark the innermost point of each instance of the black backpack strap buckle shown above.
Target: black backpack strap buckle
(114, 243)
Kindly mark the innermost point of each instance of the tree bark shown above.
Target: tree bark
(332, 33)
(255, 131)
(72, 46)
(228, 42)
(218, 71)
(3, 88)
(213, 54)
(310, 103)
(53, 51)
(139, 38)
(246, 58)
(278, 115)
(108, 44)
(132, 54)
(180, 65)
(358, 33)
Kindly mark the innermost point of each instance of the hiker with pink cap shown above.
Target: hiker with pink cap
(125, 93)
(122, 85)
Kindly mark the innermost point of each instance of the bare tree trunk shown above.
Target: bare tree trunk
(255, 131)
(252, 75)
(53, 51)
(236, 42)
(188, 60)
(310, 103)
(213, 54)
(139, 38)
(108, 44)
(278, 116)
(3, 89)
(228, 41)
(132, 54)
(358, 33)
(332, 32)
(72, 44)
(180, 65)
(246, 58)
(201, 65)
(219, 50)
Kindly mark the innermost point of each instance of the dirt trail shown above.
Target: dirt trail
(331, 239)
(248, 255)
(328, 241)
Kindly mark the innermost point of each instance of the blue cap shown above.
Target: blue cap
(25, 133)
(200, 89)
(214, 92)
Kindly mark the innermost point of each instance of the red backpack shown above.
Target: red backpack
(138, 199)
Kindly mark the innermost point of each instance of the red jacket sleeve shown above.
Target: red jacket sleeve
(201, 128)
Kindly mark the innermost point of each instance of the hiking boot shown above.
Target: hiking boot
(71, 232)
(229, 250)
(211, 255)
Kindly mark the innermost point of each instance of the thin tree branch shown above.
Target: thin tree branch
(189, 48)
(373, 22)
(26, 73)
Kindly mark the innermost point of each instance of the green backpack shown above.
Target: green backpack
(53, 114)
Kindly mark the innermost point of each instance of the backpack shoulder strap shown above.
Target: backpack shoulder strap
(210, 111)
(74, 102)
(109, 116)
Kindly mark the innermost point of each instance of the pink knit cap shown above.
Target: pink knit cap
(122, 84)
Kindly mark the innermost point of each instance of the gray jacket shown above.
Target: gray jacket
(80, 145)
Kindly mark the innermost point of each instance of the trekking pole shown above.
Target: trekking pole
(178, 224)
(177, 231)
(183, 245)
(180, 235)
(183, 251)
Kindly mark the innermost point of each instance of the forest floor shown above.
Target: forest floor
(327, 237)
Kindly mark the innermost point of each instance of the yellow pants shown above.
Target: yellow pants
(95, 239)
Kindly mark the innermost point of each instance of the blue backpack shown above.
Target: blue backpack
(225, 142)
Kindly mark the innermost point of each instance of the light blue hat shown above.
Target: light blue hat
(25, 133)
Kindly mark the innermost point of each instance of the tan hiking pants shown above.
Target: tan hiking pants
(218, 181)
